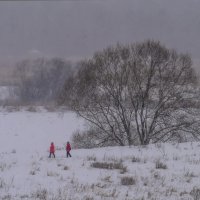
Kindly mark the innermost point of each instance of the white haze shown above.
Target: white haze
(76, 29)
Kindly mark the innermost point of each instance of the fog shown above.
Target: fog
(76, 29)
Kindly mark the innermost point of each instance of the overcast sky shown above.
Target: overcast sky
(78, 28)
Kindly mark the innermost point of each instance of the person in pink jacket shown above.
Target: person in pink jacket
(68, 149)
(52, 150)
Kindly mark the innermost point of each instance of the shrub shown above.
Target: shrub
(91, 158)
(32, 172)
(123, 170)
(40, 194)
(13, 151)
(4, 166)
(160, 165)
(83, 140)
(135, 159)
(2, 183)
(50, 173)
(128, 180)
(189, 174)
(105, 165)
(90, 139)
(32, 109)
(195, 193)
(7, 197)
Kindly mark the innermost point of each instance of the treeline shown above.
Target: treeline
(41, 81)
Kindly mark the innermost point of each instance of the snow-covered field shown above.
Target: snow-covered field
(154, 172)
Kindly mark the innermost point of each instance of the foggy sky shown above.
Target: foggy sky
(78, 28)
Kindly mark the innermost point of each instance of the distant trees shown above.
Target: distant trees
(41, 80)
(135, 94)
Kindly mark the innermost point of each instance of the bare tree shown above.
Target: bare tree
(135, 93)
(98, 93)
(158, 86)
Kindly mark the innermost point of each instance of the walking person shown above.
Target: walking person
(68, 149)
(52, 150)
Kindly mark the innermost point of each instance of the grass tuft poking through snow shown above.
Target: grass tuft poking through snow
(128, 180)
(160, 165)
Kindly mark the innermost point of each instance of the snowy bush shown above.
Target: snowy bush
(135, 159)
(92, 158)
(13, 151)
(32, 109)
(2, 183)
(160, 165)
(4, 166)
(128, 180)
(189, 174)
(195, 193)
(66, 168)
(107, 179)
(32, 172)
(105, 165)
(84, 140)
(88, 139)
(7, 197)
(40, 194)
(88, 198)
(50, 173)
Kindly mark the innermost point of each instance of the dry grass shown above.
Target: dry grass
(195, 193)
(160, 165)
(135, 159)
(106, 165)
(128, 180)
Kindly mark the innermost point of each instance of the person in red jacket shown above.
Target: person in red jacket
(68, 149)
(52, 150)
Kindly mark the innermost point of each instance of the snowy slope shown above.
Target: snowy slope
(162, 171)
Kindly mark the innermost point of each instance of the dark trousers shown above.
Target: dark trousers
(50, 154)
(68, 154)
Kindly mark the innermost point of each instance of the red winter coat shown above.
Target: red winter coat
(68, 147)
(52, 148)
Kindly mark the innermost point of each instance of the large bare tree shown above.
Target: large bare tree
(135, 93)
(159, 81)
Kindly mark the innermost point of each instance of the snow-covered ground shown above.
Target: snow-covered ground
(154, 172)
